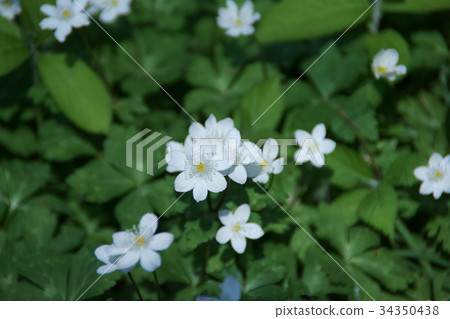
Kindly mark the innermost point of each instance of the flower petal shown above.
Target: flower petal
(200, 190)
(239, 174)
(48, 9)
(390, 58)
(242, 214)
(226, 217)
(301, 136)
(148, 225)
(238, 244)
(435, 160)
(437, 192)
(62, 32)
(161, 241)
(197, 130)
(123, 239)
(277, 166)
(223, 235)
(128, 259)
(421, 172)
(252, 231)
(231, 289)
(184, 183)
(426, 188)
(217, 183)
(327, 146)
(270, 149)
(150, 260)
(319, 131)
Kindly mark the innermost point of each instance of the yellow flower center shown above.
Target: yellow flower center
(264, 163)
(201, 167)
(438, 175)
(114, 2)
(66, 13)
(238, 21)
(140, 240)
(237, 227)
(382, 69)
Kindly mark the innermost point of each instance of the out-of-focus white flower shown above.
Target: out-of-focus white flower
(130, 247)
(67, 14)
(238, 21)
(266, 162)
(237, 229)
(435, 177)
(231, 291)
(9, 9)
(313, 146)
(212, 129)
(110, 10)
(384, 65)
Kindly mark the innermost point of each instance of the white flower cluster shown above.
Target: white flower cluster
(69, 14)
(435, 177)
(132, 246)
(9, 9)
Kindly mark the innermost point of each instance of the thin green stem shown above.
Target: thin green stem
(136, 288)
(158, 288)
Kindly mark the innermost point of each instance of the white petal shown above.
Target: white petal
(223, 235)
(200, 190)
(390, 58)
(421, 172)
(319, 131)
(49, 24)
(247, 29)
(426, 188)
(252, 231)
(197, 130)
(150, 260)
(437, 192)
(253, 169)
(233, 32)
(262, 178)
(80, 20)
(148, 225)
(238, 244)
(226, 217)
(435, 160)
(327, 146)
(123, 239)
(270, 149)
(400, 70)
(62, 32)
(161, 241)
(48, 9)
(231, 289)
(128, 260)
(232, 7)
(277, 166)
(210, 122)
(239, 174)
(217, 184)
(226, 125)
(101, 253)
(106, 269)
(242, 214)
(183, 183)
(247, 10)
(301, 136)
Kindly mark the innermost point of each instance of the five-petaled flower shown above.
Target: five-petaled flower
(236, 228)
(384, 65)
(435, 177)
(110, 10)
(67, 14)
(133, 246)
(266, 162)
(9, 9)
(313, 145)
(238, 21)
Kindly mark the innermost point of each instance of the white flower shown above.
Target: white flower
(212, 128)
(9, 9)
(237, 229)
(435, 177)
(236, 21)
(266, 162)
(384, 64)
(110, 10)
(239, 154)
(201, 177)
(314, 144)
(67, 14)
(231, 291)
(130, 247)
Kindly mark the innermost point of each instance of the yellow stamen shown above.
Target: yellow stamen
(140, 240)
(66, 13)
(114, 2)
(263, 163)
(237, 227)
(238, 21)
(382, 69)
(438, 175)
(201, 167)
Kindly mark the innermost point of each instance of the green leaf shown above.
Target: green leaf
(379, 209)
(389, 39)
(349, 168)
(13, 50)
(21, 141)
(99, 182)
(78, 91)
(416, 6)
(200, 230)
(291, 20)
(429, 50)
(400, 172)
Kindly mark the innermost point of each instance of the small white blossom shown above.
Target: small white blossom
(130, 247)
(110, 10)
(231, 291)
(212, 128)
(9, 9)
(67, 14)
(238, 22)
(435, 177)
(266, 162)
(384, 64)
(319, 145)
(236, 228)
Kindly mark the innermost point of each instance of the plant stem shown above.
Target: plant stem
(158, 288)
(222, 199)
(205, 263)
(361, 139)
(135, 286)
(376, 17)
(410, 241)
